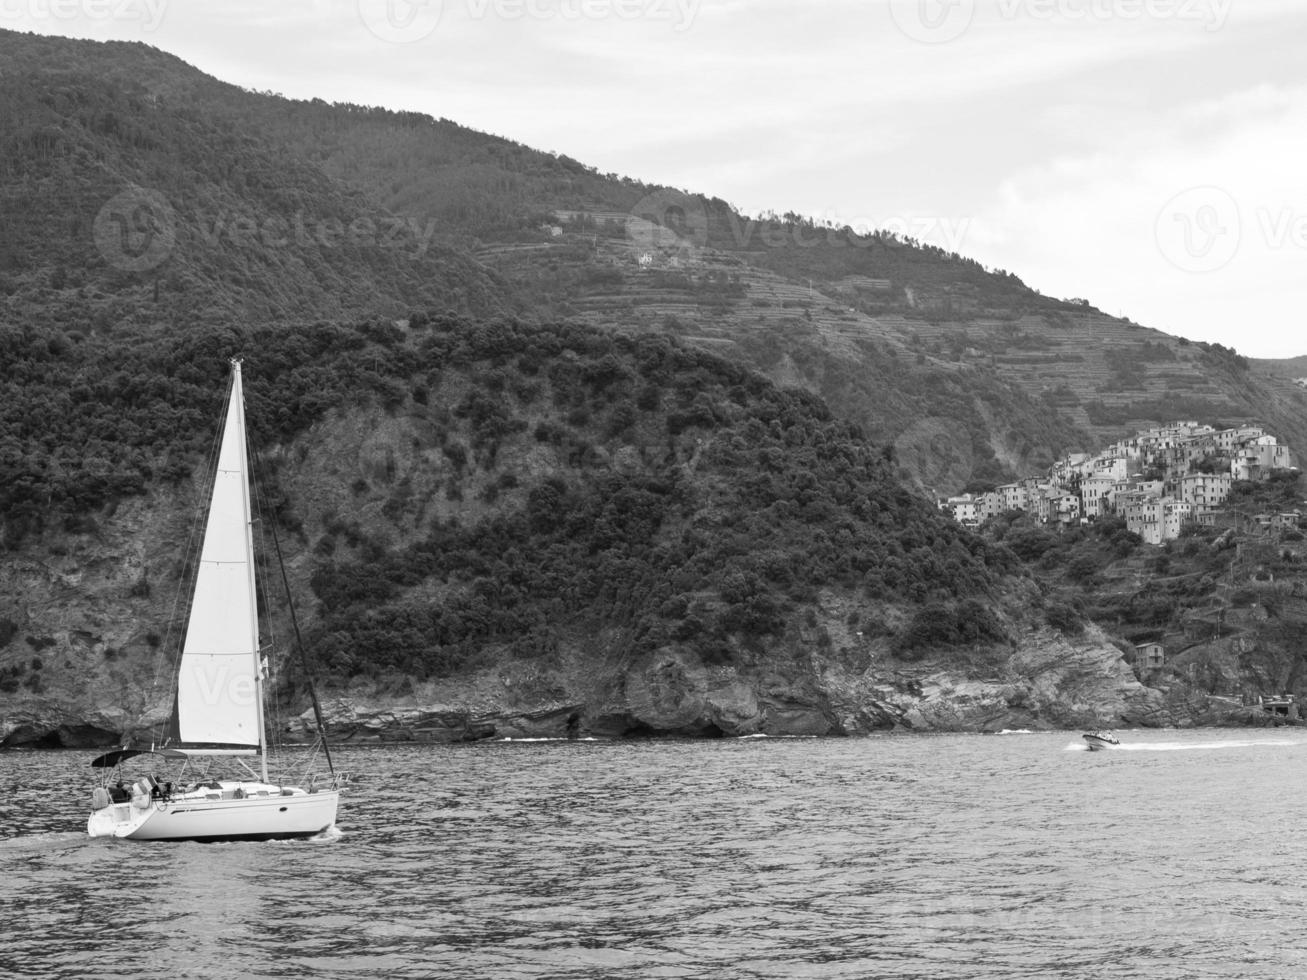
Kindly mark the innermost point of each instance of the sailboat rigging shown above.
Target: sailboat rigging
(218, 708)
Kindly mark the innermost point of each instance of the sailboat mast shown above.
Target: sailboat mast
(237, 393)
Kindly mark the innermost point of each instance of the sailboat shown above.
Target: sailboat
(218, 712)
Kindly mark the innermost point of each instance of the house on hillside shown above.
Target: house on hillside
(1229, 440)
(1259, 458)
(1149, 656)
(1143, 515)
(1155, 519)
(1055, 506)
(1071, 467)
(965, 509)
(1175, 515)
(1013, 496)
(1205, 489)
(1111, 467)
(989, 505)
(1096, 494)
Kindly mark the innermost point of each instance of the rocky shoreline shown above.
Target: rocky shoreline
(1046, 683)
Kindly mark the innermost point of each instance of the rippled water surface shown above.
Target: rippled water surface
(1180, 855)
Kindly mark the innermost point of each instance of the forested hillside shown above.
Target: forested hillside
(129, 205)
(666, 476)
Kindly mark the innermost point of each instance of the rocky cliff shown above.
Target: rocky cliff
(1045, 683)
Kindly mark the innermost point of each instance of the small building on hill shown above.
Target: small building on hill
(1150, 656)
(1205, 489)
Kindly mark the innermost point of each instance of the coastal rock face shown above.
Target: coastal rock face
(1047, 682)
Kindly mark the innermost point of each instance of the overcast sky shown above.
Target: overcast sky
(1147, 155)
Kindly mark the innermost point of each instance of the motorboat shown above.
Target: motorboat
(1098, 741)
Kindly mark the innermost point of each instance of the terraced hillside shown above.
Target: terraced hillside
(994, 393)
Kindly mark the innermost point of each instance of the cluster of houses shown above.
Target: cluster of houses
(1158, 480)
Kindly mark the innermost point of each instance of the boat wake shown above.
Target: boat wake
(25, 844)
(1191, 746)
(1207, 746)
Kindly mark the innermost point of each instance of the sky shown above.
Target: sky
(1149, 156)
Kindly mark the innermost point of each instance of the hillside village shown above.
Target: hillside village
(1159, 480)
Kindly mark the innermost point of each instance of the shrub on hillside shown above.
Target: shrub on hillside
(950, 624)
(1063, 616)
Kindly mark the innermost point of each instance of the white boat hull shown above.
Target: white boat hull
(271, 815)
(1099, 745)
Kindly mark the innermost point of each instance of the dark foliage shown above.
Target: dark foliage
(745, 501)
(749, 499)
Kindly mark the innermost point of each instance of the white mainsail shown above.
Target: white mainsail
(218, 695)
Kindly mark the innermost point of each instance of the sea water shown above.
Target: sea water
(1178, 856)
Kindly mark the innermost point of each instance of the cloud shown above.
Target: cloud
(1197, 226)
